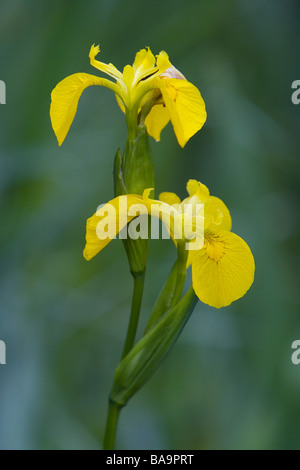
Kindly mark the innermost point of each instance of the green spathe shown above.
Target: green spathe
(134, 170)
(133, 173)
(142, 361)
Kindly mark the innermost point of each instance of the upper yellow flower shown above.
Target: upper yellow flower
(151, 89)
(222, 263)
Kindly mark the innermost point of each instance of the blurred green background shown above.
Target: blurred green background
(229, 383)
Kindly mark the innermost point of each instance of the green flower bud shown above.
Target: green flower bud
(133, 173)
(134, 170)
(142, 361)
(165, 298)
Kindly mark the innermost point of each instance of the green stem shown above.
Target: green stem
(111, 426)
(134, 314)
(131, 120)
(182, 254)
(114, 409)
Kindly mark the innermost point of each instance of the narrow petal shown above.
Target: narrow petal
(108, 221)
(121, 104)
(146, 195)
(190, 258)
(163, 62)
(195, 188)
(128, 76)
(198, 195)
(156, 120)
(109, 69)
(223, 270)
(216, 210)
(144, 59)
(185, 105)
(65, 97)
(144, 64)
(169, 198)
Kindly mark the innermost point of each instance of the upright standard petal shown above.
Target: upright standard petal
(144, 64)
(217, 213)
(215, 210)
(185, 105)
(65, 97)
(223, 270)
(195, 188)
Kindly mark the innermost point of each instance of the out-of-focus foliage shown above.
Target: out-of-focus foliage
(229, 383)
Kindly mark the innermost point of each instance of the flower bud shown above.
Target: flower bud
(142, 361)
(133, 173)
(137, 168)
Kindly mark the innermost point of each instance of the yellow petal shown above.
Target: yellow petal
(190, 258)
(169, 198)
(163, 62)
(109, 220)
(166, 212)
(195, 188)
(156, 120)
(216, 210)
(109, 69)
(144, 64)
(144, 59)
(121, 104)
(146, 194)
(223, 270)
(65, 97)
(128, 76)
(185, 105)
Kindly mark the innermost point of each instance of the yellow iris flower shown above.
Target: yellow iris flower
(151, 84)
(222, 266)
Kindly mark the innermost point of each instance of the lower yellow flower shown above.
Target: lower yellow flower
(222, 263)
(150, 84)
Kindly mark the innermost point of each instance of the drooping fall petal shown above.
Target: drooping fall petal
(185, 105)
(65, 97)
(109, 220)
(157, 120)
(223, 270)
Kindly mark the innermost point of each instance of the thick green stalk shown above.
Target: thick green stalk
(172, 289)
(131, 121)
(182, 255)
(134, 314)
(165, 298)
(133, 173)
(111, 426)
